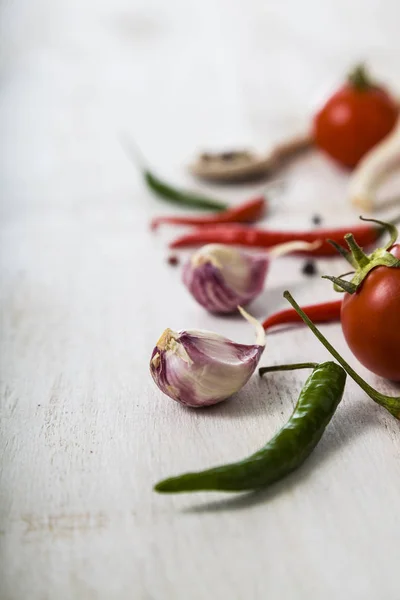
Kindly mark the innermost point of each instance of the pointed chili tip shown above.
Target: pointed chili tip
(180, 483)
(161, 486)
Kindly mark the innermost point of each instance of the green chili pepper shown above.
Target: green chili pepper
(166, 191)
(286, 451)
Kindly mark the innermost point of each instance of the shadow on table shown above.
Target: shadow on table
(350, 427)
(258, 399)
(272, 297)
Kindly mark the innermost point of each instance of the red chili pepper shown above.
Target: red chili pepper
(248, 212)
(240, 235)
(318, 313)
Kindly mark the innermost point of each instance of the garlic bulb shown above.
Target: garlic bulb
(200, 368)
(221, 278)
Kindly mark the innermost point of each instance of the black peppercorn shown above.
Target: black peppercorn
(309, 268)
(317, 220)
(173, 260)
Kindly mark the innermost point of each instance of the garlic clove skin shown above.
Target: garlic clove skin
(201, 368)
(221, 278)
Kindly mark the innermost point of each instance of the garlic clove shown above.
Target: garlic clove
(220, 277)
(201, 368)
(373, 170)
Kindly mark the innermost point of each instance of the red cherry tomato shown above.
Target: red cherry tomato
(371, 320)
(354, 119)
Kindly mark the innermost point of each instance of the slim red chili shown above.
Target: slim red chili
(325, 312)
(248, 212)
(240, 235)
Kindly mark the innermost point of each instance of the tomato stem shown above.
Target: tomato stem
(357, 252)
(360, 79)
(293, 367)
(392, 404)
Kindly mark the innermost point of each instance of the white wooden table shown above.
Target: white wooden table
(86, 292)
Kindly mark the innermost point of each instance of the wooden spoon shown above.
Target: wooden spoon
(244, 165)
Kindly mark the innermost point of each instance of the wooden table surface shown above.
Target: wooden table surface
(86, 291)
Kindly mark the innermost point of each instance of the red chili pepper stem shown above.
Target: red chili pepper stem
(392, 404)
(293, 367)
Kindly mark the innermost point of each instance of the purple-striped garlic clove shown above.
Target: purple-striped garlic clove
(221, 278)
(200, 368)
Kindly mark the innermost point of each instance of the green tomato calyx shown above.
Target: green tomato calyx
(363, 263)
(360, 79)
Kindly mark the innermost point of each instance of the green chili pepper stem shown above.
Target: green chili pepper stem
(293, 367)
(392, 404)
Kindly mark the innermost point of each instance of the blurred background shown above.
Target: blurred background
(180, 76)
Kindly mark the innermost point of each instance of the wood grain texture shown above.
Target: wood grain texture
(86, 292)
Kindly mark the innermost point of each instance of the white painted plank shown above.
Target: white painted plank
(86, 292)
